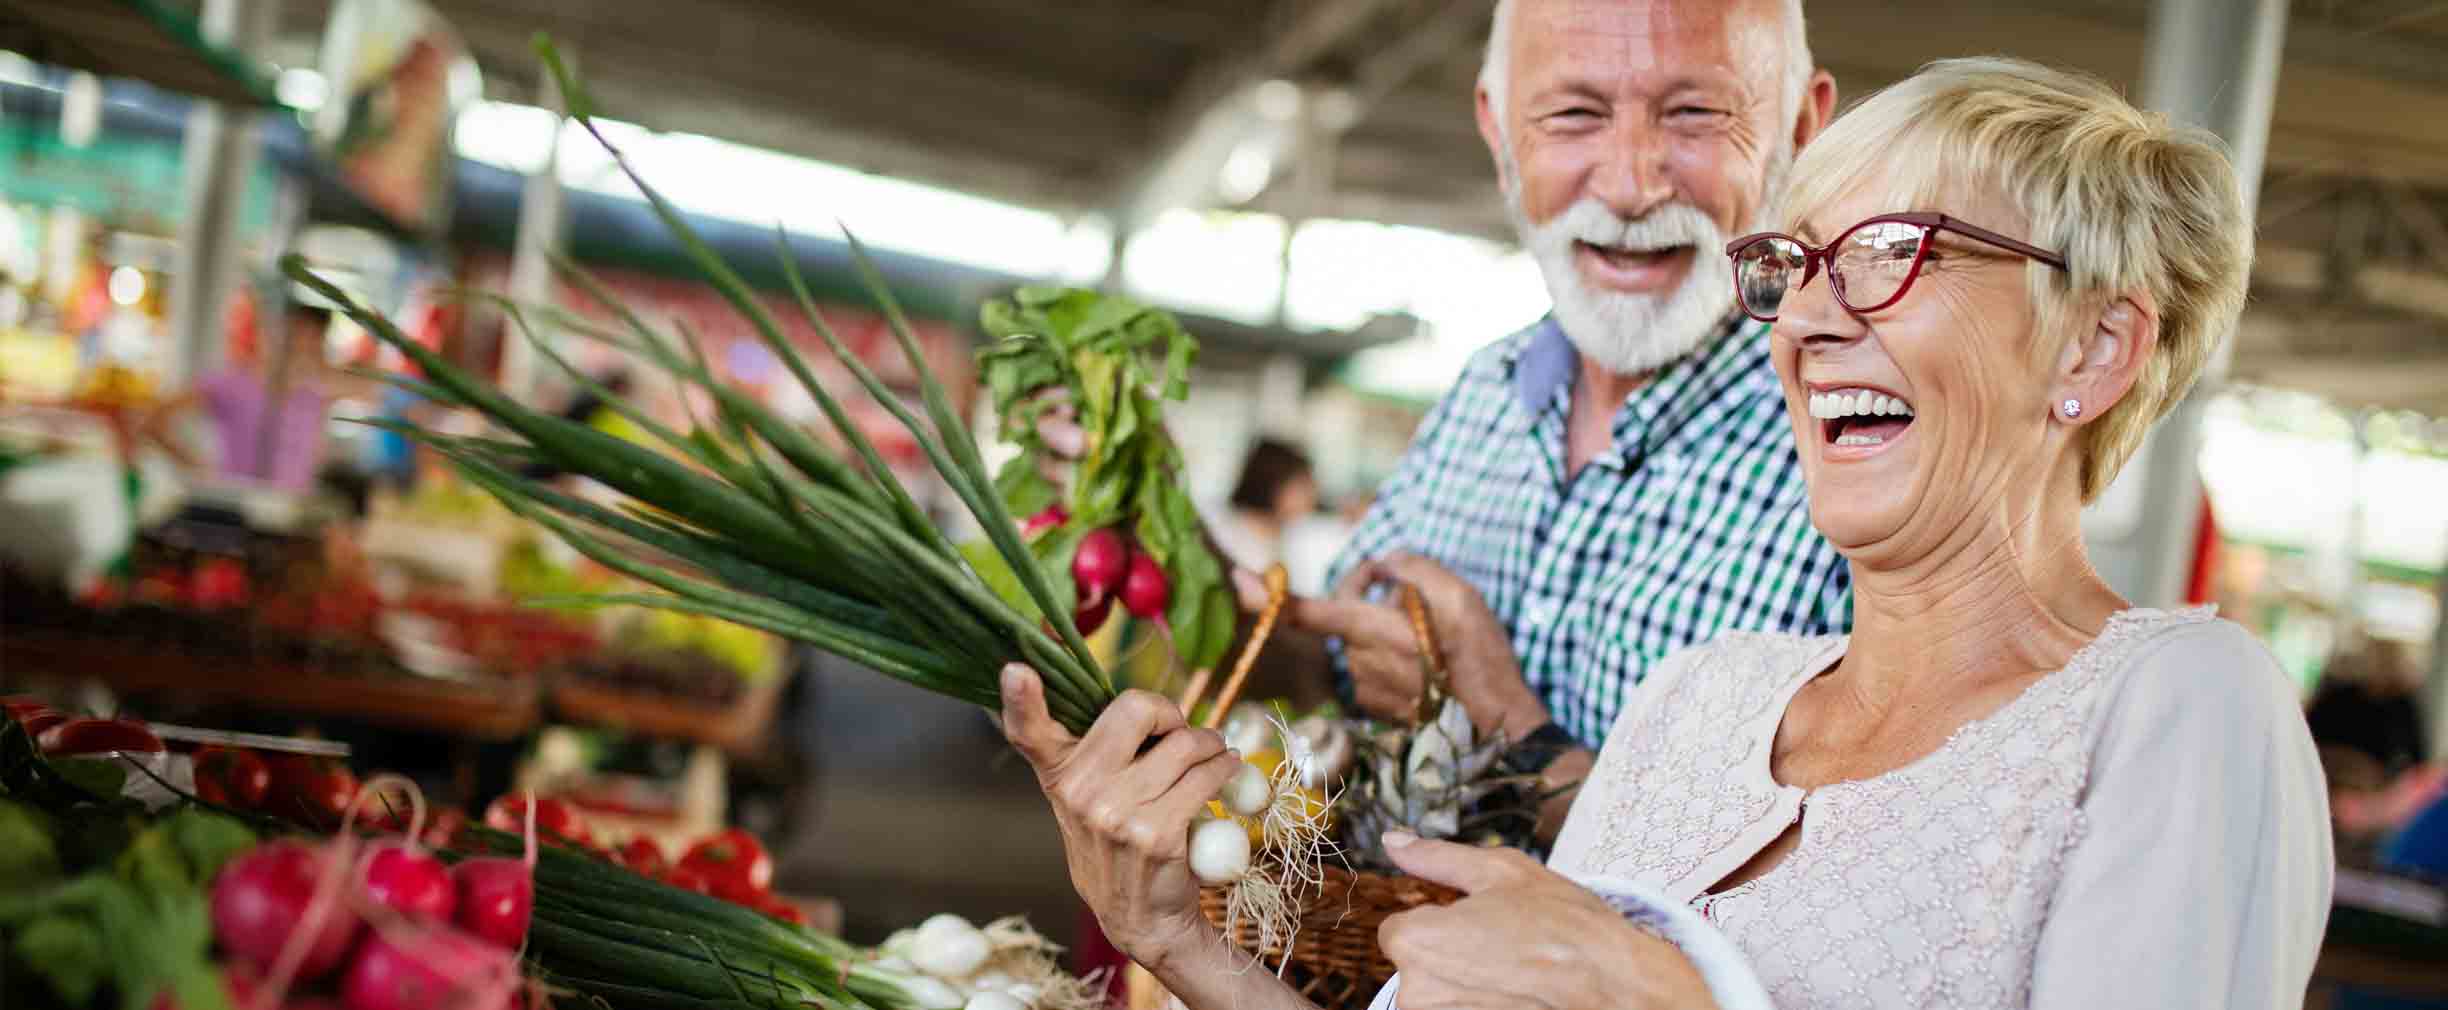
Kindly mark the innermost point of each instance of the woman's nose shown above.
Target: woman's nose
(1811, 316)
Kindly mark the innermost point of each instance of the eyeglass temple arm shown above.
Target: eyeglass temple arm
(1975, 231)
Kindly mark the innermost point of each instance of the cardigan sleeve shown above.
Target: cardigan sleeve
(2203, 875)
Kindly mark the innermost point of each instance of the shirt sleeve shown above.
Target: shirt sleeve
(2204, 874)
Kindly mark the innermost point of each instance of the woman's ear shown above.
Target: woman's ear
(2099, 366)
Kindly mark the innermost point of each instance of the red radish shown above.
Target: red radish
(261, 897)
(496, 893)
(416, 884)
(1098, 566)
(1053, 516)
(1091, 616)
(439, 969)
(1146, 591)
(100, 736)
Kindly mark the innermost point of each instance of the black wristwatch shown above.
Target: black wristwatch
(1533, 753)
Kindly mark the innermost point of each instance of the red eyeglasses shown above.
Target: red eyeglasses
(1870, 266)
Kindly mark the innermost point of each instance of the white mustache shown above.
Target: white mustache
(1669, 226)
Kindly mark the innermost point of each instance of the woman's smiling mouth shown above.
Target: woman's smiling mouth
(1858, 419)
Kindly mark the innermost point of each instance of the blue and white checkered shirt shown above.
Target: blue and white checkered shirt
(1694, 524)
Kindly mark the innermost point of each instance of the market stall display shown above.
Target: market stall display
(159, 895)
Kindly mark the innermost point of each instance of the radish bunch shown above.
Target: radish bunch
(1106, 568)
(389, 924)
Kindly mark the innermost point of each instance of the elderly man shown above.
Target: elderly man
(1617, 481)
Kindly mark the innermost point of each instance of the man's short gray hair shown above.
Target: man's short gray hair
(1494, 67)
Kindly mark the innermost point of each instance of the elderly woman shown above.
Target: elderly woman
(2009, 786)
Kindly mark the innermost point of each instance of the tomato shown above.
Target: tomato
(231, 777)
(773, 905)
(643, 856)
(311, 790)
(218, 583)
(687, 879)
(555, 820)
(442, 827)
(100, 736)
(734, 862)
(36, 722)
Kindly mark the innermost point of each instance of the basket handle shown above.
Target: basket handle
(1433, 683)
(1279, 588)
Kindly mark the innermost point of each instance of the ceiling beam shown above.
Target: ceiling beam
(1213, 112)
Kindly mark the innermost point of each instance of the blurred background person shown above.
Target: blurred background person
(1278, 488)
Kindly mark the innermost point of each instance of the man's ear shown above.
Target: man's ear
(2098, 368)
(1491, 130)
(1818, 108)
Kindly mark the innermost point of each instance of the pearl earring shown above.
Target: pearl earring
(2072, 408)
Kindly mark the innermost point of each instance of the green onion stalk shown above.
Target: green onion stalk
(749, 519)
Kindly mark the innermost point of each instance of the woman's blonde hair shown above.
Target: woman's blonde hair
(2133, 201)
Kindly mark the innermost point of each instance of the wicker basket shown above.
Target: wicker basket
(1334, 960)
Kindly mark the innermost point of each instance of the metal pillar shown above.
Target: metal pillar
(2214, 64)
(219, 152)
(2434, 694)
(539, 236)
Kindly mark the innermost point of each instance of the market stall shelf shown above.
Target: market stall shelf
(478, 709)
(735, 728)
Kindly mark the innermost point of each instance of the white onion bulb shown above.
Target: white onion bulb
(931, 993)
(1219, 851)
(994, 1000)
(949, 947)
(1247, 793)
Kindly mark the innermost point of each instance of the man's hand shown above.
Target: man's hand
(1524, 937)
(1124, 797)
(1383, 654)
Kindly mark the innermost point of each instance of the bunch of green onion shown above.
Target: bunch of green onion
(751, 519)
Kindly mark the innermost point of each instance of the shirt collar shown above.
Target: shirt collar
(1544, 366)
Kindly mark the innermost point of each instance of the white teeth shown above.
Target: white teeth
(1857, 438)
(1857, 403)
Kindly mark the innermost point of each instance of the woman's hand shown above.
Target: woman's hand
(1125, 816)
(1524, 937)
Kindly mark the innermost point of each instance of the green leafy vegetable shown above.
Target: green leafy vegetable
(1117, 360)
(27, 855)
(66, 951)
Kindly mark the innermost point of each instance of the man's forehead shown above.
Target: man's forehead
(1718, 37)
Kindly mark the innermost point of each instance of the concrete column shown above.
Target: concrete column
(220, 153)
(539, 236)
(2214, 64)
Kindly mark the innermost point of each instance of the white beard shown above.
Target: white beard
(1631, 334)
